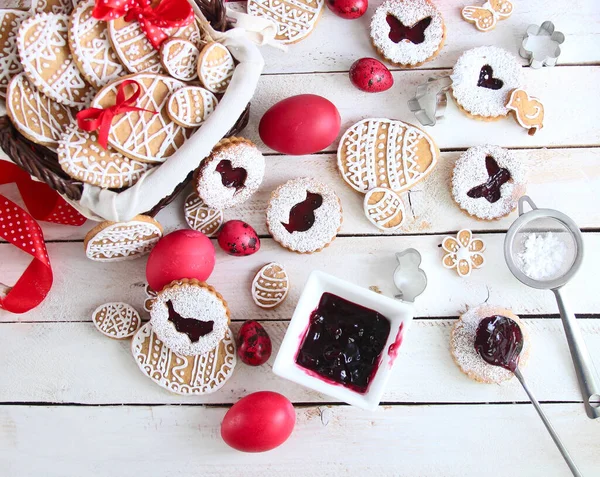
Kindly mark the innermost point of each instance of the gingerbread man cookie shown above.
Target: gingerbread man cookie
(180, 59)
(10, 65)
(528, 111)
(190, 106)
(215, 67)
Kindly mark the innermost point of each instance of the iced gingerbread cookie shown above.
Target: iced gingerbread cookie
(48, 62)
(52, 6)
(83, 159)
(92, 52)
(463, 342)
(116, 241)
(528, 111)
(10, 65)
(231, 174)
(186, 375)
(295, 19)
(463, 253)
(407, 33)
(304, 215)
(384, 209)
(116, 320)
(483, 79)
(179, 58)
(201, 217)
(190, 317)
(488, 181)
(150, 298)
(487, 16)
(37, 117)
(270, 286)
(215, 67)
(190, 106)
(385, 153)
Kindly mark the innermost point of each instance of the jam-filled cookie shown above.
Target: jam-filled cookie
(483, 79)
(488, 181)
(408, 33)
(231, 174)
(304, 215)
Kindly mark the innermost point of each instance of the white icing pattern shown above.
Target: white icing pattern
(387, 212)
(10, 65)
(201, 217)
(52, 6)
(215, 67)
(190, 106)
(180, 59)
(116, 320)
(270, 286)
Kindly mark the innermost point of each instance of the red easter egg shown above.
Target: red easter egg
(370, 75)
(254, 344)
(348, 9)
(238, 238)
(302, 124)
(180, 254)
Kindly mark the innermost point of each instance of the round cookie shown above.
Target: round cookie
(48, 63)
(408, 33)
(179, 58)
(304, 215)
(116, 320)
(10, 64)
(190, 317)
(462, 345)
(116, 241)
(270, 286)
(190, 106)
(385, 153)
(488, 181)
(52, 6)
(201, 217)
(384, 209)
(215, 67)
(231, 174)
(483, 79)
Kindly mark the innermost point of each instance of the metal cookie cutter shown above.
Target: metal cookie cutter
(541, 45)
(410, 280)
(430, 100)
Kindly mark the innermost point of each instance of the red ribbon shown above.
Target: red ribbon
(167, 14)
(93, 119)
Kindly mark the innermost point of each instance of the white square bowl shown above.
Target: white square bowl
(399, 314)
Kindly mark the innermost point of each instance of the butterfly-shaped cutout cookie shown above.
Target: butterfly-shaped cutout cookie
(486, 16)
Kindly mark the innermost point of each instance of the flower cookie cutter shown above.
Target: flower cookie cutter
(541, 45)
(430, 101)
(409, 278)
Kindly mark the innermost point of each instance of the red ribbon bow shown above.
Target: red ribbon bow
(93, 119)
(167, 14)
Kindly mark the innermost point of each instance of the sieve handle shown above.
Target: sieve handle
(522, 201)
(584, 367)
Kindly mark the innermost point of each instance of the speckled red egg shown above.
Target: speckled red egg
(302, 124)
(348, 9)
(371, 75)
(238, 238)
(254, 344)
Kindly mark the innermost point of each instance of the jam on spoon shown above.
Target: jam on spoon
(195, 329)
(499, 341)
(302, 215)
(234, 177)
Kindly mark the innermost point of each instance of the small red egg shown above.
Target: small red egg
(302, 124)
(180, 254)
(371, 75)
(348, 9)
(238, 238)
(259, 422)
(254, 344)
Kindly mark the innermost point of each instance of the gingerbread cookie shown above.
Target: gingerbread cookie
(180, 59)
(463, 253)
(142, 135)
(92, 52)
(48, 62)
(231, 174)
(304, 215)
(408, 33)
(52, 6)
(80, 156)
(116, 241)
(201, 217)
(487, 16)
(488, 181)
(295, 19)
(116, 320)
(186, 375)
(528, 111)
(10, 65)
(384, 209)
(150, 298)
(483, 79)
(385, 153)
(270, 286)
(190, 317)
(215, 67)
(190, 106)
(36, 116)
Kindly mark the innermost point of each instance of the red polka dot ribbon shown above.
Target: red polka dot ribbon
(152, 20)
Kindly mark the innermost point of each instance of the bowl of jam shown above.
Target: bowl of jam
(343, 340)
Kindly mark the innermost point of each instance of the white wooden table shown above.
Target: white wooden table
(73, 403)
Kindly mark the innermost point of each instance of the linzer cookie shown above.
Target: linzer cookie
(186, 375)
(528, 111)
(190, 106)
(53, 6)
(384, 209)
(385, 153)
(116, 320)
(48, 62)
(10, 65)
(201, 217)
(180, 59)
(190, 317)
(116, 241)
(215, 67)
(231, 174)
(488, 181)
(408, 33)
(304, 215)
(270, 286)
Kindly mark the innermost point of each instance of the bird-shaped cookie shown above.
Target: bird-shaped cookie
(486, 16)
(529, 111)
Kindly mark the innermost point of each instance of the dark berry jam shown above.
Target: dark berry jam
(487, 80)
(195, 329)
(499, 341)
(231, 176)
(415, 34)
(302, 215)
(490, 190)
(344, 342)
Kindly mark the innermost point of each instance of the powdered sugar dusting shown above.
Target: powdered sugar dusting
(544, 256)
